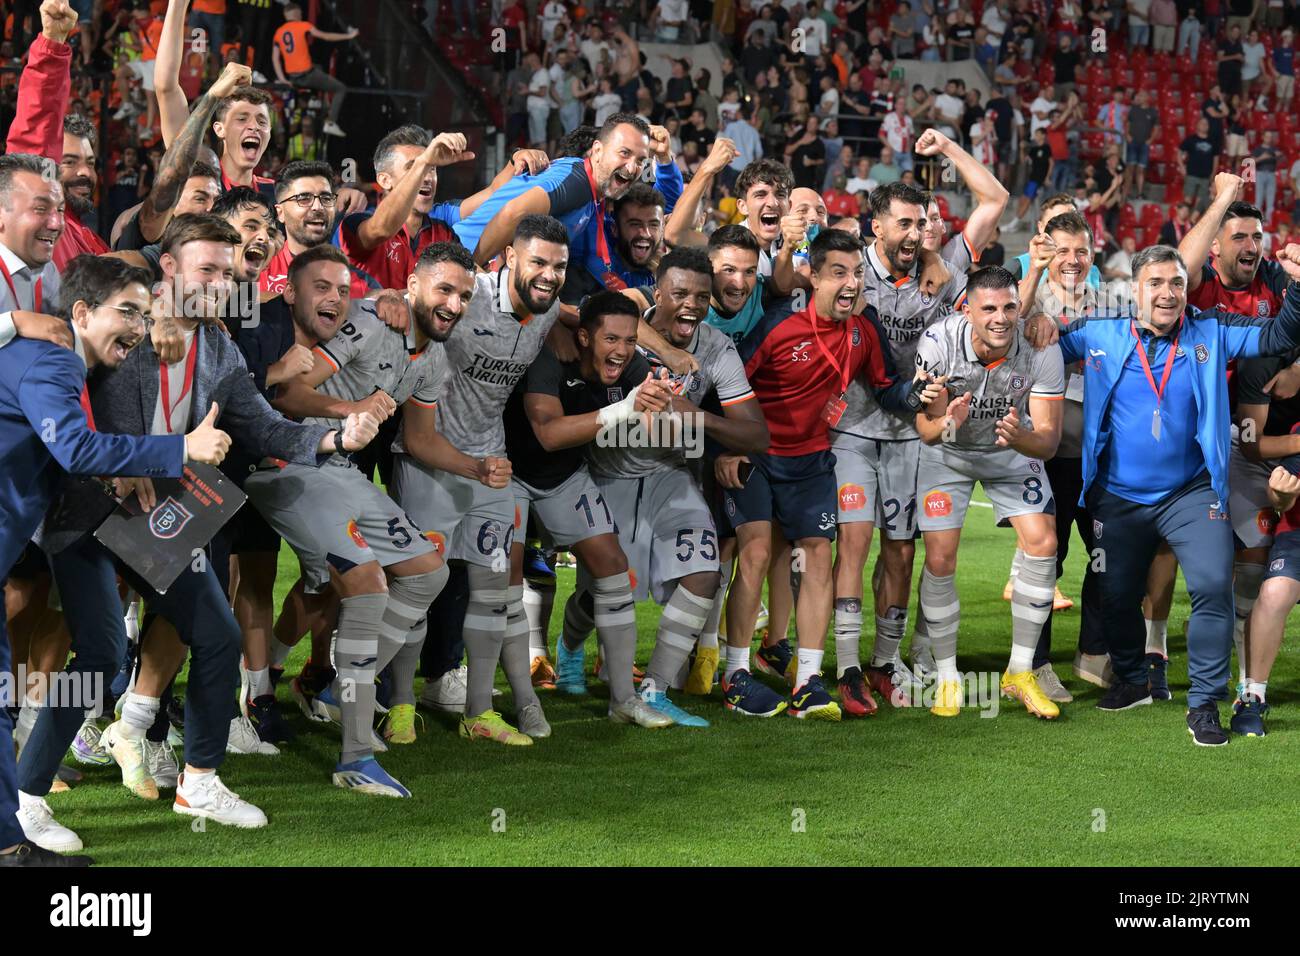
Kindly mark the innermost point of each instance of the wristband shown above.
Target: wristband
(338, 442)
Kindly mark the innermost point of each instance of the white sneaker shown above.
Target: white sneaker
(160, 761)
(331, 128)
(634, 710)
(38, 823)
(243, 739)
(208, 797)
(448, 692)
(532, 718)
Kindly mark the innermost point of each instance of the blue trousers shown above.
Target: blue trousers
(10, 831)
(195, 605)
(1195, 523)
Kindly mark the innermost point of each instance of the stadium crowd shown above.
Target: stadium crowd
(668, 343)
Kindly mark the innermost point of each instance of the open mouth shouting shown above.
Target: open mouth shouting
(769, 221)
(642, 249)
(683, 327)
(612, 368)
(255, 257)
(620, 182)
(845, 301)
(327, 318)
(250, 147)
(122, 346)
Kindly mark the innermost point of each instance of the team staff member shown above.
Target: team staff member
(43, 385)
(1155, 464)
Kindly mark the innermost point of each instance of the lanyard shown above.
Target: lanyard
(36, 289)
(85, 406)
(844, 379)
(1146, 367)
(602, 246)
(164, 388)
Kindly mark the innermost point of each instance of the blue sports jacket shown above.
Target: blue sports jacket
(1211, 337)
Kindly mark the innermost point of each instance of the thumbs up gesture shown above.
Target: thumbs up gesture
(207, 443)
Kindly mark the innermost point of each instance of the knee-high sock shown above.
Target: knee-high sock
(406, 619)
(539, 600)
(1017, 562)
(138, 713)
(1031, 606)
(921, 633)
(709, 636)
(679, 629)
(1246, 580)
(1158, 637)
(848, 630)
(485, 633)
(615, 618)
(942, 612)
(356, 651)
(579, 619)
(515, 659)
(889, 634)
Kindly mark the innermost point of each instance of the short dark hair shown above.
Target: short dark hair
(1241, 210)
(686, 258)
(242, 94)
(640, 194)
(241, 197)
(11, 163)
(621, 119)
(454, 252)
(95, 279)
(206, 170)
(603, 303)
(409, 135)
(1057, 199)
(769, 171)
(197, 227)
(1069, 222)
(882, 197)
(577, 142)
(322, 253)
(301, 169)
(828, 241)
(990, 277)
(78, 125)
(545, 228)
(1153, 254)
(735, 235)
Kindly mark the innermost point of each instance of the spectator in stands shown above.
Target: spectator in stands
(574, 91)
(933, 41)
(695, 130)
(539, 100)
(595, 48)
(1253, 63)
(1267, 157)
(1112, 117)
(839, 167)
(1177, 226)
(986, 50)
(1294, 175)
(861, 181)
(1189, 33)
(743, 132)
(757, 56)
(885, 170)
(1120, 265)
(293, 64)
(1140, 125)
(899, 132)
(1196, 161)
(679, 95)
(995, 20)
(1039, 156)
(839, 202)
(553, 14)
(669, 19)
(1066, 61)
(210, 17)
(1164, 24)
(1230, 59)
(1063, 161)
(1284, 68)
(902, 32)
(1240, 13)
(607, 102)
(705, 101)
(1139, 23)
(1216, 112)
(961, 34)
(306, 144)
(806, 156)
(828, 102)
(920, 105)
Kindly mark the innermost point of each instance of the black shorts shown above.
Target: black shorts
(798, 493)
(32, 563)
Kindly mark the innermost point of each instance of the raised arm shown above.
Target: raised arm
(501, 230)
(444, 149)
(333, 37)
(682, 221)
(173, 108)
(1195, 247)
(44, 86)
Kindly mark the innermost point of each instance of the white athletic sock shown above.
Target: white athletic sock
(259, 683)
(810, 665)
(138, 713)
(1022, 659)
(131, 619)
(947, 668)
(1239, 641)
(27, 715)
(279, 653)
(1158, 638)
(737, 660)
(1257, 689)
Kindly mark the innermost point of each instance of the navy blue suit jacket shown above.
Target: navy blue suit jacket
(43, 427)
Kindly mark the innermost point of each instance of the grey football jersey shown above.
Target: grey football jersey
(945, 349)
(489, 351)
(367, 355)
(904, 314)
(721, 370)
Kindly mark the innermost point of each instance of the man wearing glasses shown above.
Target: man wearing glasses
(304, 201)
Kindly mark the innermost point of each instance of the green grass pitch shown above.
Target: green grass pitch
(901, 788)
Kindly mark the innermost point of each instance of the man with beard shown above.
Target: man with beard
(557, 410)
(40, 384)
(801, 367)
(615, 162)
(1238, 279)
(344, 529)
(664, 522)
(305, 202)
(146, 397)
(876, 453)
(454, 479)
(997, 419)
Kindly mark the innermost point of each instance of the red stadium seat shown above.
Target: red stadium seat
(1153, 215)
(1128, 215)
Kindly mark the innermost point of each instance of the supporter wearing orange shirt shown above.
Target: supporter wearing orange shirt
(292, 56)
(210, 17)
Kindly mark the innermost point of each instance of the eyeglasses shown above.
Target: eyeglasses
(305, 200)
(131, 314)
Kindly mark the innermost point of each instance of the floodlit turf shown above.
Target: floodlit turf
(903, 788)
